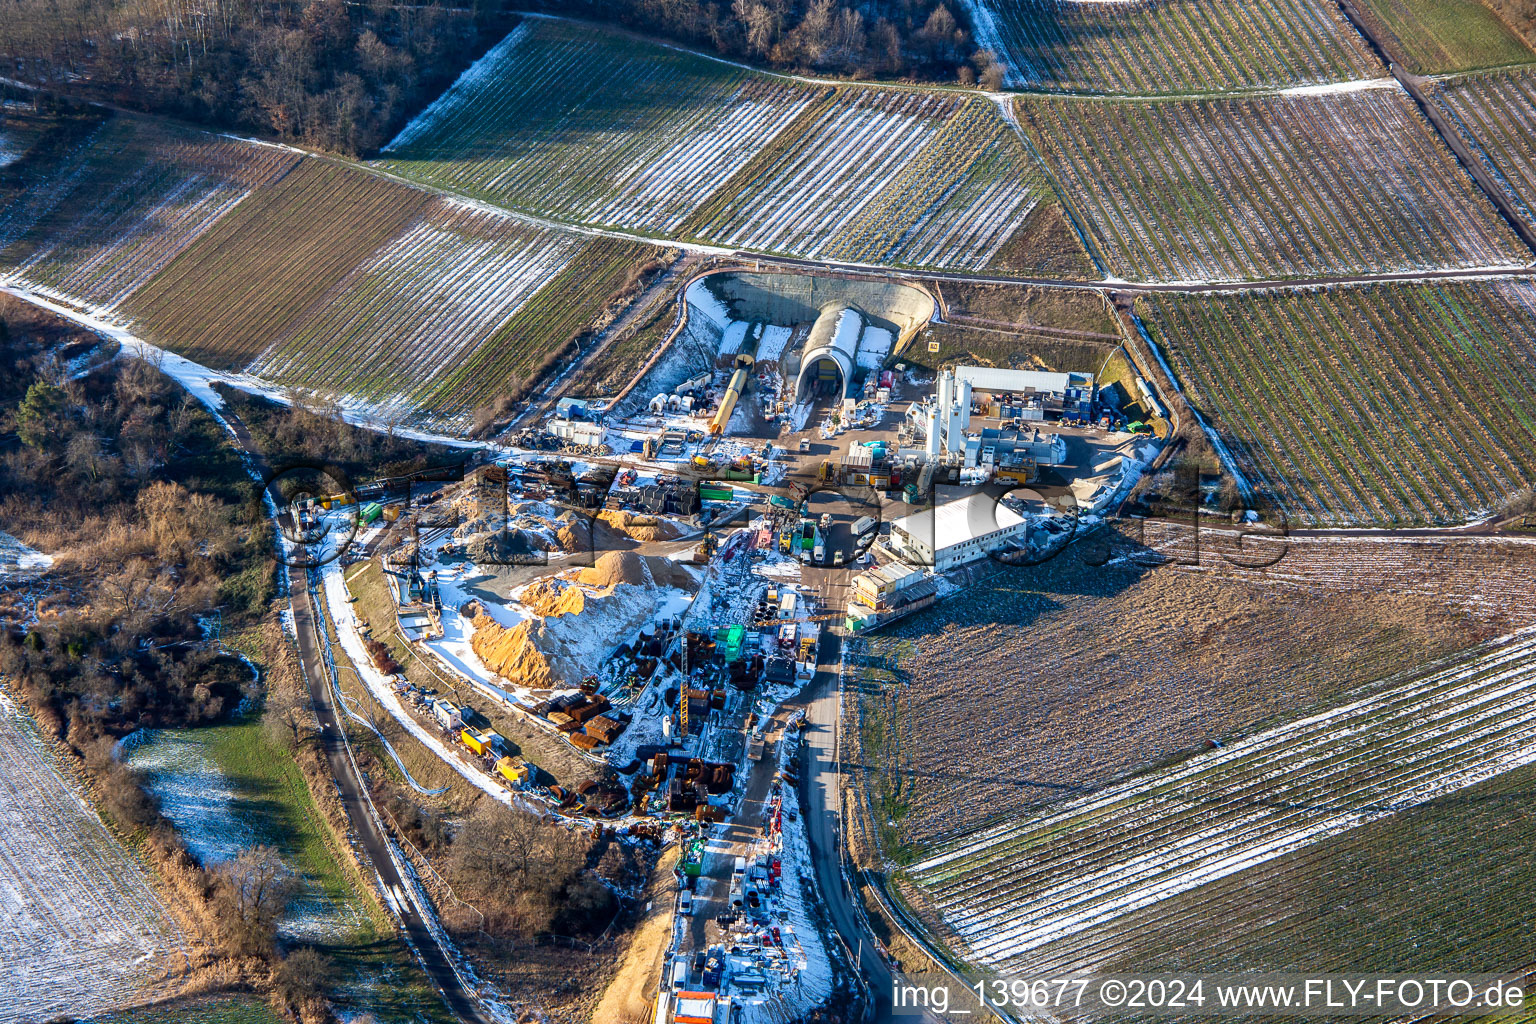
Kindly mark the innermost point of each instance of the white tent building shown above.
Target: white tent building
(956, 532)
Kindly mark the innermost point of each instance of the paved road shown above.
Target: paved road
(820, 804)
(374, 844)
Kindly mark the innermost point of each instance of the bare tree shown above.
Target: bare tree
(254, 888)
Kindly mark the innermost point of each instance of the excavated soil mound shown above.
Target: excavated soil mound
(574, 535)
(501, 547)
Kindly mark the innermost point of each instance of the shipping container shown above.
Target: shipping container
(696, 1007)
(447, 715)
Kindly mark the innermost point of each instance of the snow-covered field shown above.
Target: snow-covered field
(569, 121)
(835, 167)
(573, 123)
(123, 205)
(1168, 46)
(1020, 885)
(11, 149)
(17, 558)
(1281, 186)
(216, 820)
(81, 932)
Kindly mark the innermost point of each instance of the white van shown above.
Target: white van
(685, 902)
(863, 526)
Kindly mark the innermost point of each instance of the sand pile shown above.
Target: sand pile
(640, 527)
(574, 534)
(572, 642)
(554, 597)
(620, 567)
(514, 654)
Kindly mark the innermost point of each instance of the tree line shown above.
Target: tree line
(338, 75)
(917, 39)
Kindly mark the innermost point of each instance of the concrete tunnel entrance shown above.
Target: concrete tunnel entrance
(826, 367)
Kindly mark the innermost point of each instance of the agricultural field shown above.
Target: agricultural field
(576, 124)
(225, 299)
(1392, 405)
(81, 931)
(885, 177)
(1267, 187)
(122, 204)
(401, 300)
(228, 788)
(570, 121)
(1440, 36)
(1093, 860)
(1170, 46)
(1495, 114)
(1445, 882)
(20, 130)
(420, 304)
(1040, 683)
(536, 337)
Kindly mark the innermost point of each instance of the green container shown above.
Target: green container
(371, 512)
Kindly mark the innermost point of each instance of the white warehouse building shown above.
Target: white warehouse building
(957, 532)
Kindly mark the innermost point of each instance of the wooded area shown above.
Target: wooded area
(921, 39)
(336, 75)
(131, 483)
